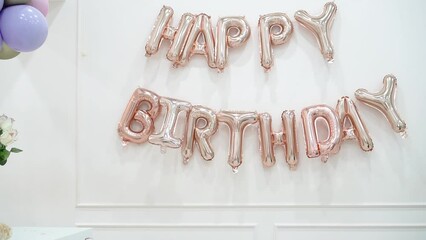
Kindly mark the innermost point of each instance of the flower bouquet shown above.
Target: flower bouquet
(7, 137)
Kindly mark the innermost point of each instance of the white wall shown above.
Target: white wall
(38, 90)
(68, 97)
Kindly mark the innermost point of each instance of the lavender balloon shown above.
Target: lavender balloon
(1, 4)
(24, 28)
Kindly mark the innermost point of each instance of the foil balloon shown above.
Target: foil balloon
(201, 123)
(320, 26)
(194, 133)
(266, 140)
(202, 27)
(285, 138)
(165, 137)
(237, 122)
(179, 40)
(194, 35)
(269, 38)
(316, 147)
(225, 39)
(144, 117)
(161, 30)
(384, 101)
(347, 111)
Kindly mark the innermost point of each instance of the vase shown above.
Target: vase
(5, 232)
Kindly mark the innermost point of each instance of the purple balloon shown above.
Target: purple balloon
(1, 4)
(23, 28)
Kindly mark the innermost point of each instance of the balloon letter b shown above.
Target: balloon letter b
(144, 117)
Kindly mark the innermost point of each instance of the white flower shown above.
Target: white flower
(8, 133)
(8, 137)
(6, 123)
(3, 118)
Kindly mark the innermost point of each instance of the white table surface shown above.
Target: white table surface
(50, 233)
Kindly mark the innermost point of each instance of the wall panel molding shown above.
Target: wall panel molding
(319, 206)
(162, 225)
(349, 226)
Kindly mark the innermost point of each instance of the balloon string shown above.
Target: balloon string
(404, 134)
(324, 158)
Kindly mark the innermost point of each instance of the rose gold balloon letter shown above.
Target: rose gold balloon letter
(314, 146)
(384, 101)
(165, 137)
(320, 26)
(179, 40)
(225, 39)
(161, 29)
(347, 110)
(286, 138)
(199, 134)
(237, 123)
(144, 117)
(267, 37)
(202, 27)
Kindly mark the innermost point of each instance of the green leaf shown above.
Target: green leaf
(3, 161)
(4, 154)
(15, 150)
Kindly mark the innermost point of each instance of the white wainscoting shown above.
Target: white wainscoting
(350, 231)
(176, 231)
